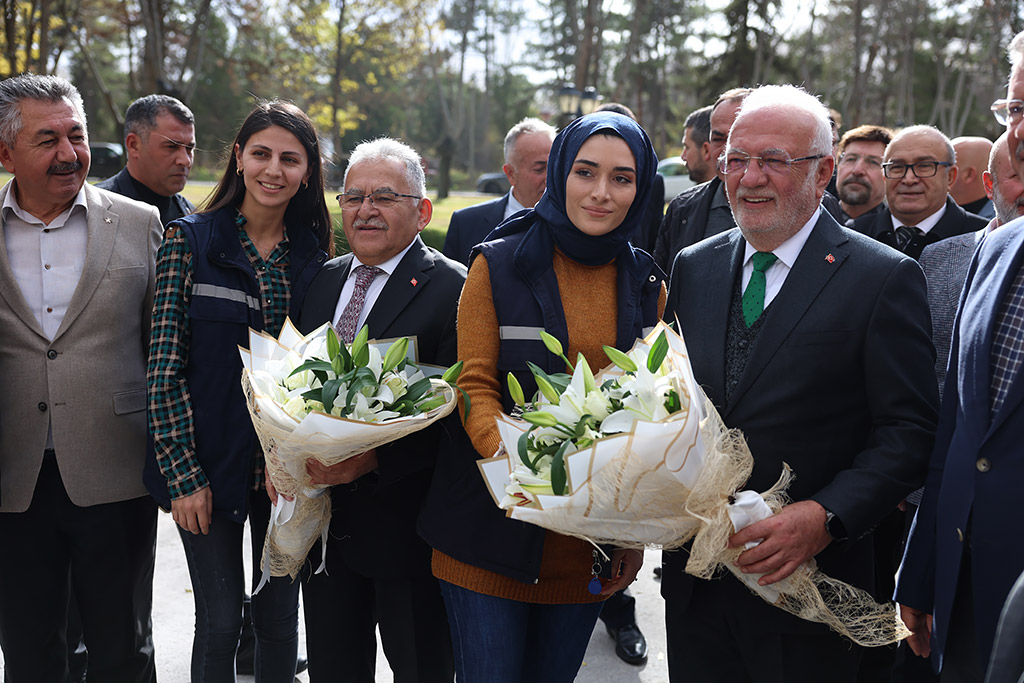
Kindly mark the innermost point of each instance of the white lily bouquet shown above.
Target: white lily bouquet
(636, 455)
(315, 397)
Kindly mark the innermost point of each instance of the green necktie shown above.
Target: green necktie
(753, 297)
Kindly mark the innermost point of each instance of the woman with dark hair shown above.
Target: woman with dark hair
(521, 601)
(244, 261)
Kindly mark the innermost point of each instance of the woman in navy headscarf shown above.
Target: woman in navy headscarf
(521, 601)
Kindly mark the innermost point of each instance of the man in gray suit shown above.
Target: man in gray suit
(77, 269)
(945, 263)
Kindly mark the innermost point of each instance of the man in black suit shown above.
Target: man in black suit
(527, 145)
(159, 139)
(378, 569)
(919, 167)
(814, 342)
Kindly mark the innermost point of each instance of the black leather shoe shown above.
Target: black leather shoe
(630, 644)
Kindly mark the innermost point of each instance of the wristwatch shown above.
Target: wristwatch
(834, 526)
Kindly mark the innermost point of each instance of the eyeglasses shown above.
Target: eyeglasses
(736, 162)
(852, 159)
(921, 169)
(1008, 111)
(382, 199)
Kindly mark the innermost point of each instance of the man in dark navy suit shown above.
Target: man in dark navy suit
(527, 146)
(964, 554)
(378, 569)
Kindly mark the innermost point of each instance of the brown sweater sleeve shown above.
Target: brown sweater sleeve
(478, 349)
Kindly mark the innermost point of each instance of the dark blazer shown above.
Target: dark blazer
(122, 184)
(945, 265)
(684, 221)
(955, 221)
(839, 384)
(470, 226)
(375, 516)
(976, 469)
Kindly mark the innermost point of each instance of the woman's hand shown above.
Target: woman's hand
(193, 512)
(345, 472)
(626, 565)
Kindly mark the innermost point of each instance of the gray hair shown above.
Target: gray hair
(389, 149)
(1015, 51)
(141, 115)
(699, 123)
(32, 87)
(527, 125)
(930, 130)
(792, 97)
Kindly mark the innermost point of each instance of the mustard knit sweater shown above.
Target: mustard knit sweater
(591, 317)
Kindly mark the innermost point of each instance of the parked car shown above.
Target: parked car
(676, 176)
(107, 159)
(492, 183)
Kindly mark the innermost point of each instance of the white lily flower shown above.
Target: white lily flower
(297, 407)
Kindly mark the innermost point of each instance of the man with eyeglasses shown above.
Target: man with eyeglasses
(702, 210)
(378, 569)
(919, 166)
(963, 555)
(812, 340)
(859, 179)
(968, 191)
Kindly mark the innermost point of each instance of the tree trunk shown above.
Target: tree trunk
(153, 48)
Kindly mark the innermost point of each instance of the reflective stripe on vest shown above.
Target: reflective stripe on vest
(218, 292)
(519, 332)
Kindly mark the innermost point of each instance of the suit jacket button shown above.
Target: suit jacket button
(42, 407)
(983, 465)
(51, 354)
(960, 535)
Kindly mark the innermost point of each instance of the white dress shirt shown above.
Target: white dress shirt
(787, 253)
(375, 287)
(927, 224)
(46, 260)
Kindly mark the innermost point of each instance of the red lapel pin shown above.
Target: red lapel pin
(830, 258)
(413, 282)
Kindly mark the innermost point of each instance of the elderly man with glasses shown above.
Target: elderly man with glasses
(378, 569)
(919, 167)
(813, 341)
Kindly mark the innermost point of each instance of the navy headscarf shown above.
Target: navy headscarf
(549, 216)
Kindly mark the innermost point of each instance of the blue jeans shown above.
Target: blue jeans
(497, 640)
(218, 584)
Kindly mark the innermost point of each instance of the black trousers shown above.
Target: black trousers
(726, 634)
(342, 609)
(53, 546)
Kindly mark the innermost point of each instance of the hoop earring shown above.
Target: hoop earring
(305, 185)
(238, 170)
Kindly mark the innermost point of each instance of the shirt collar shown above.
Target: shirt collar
(788, 251)
(11, 204)
(514, 205)
(925, 225)
(389, 265)
(719, 199)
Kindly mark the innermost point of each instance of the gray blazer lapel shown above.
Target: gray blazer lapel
(819, 260)
(103, 227)
(409, 278)
(10, 291)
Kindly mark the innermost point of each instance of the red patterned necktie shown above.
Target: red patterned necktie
(346, 327)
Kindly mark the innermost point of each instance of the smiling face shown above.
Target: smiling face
(912, 199)
(374, 232)
(772, 207)
(1015, 131)
(50, 158)
(161, 158)
(273, 165)
(601, 185)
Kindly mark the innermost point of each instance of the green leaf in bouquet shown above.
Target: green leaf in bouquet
(314, 394)
(452, 374)
(344, 359)
(395, 354)
(466, 403)
(330, 394)
(558, 469)
(360, 348)
(672, 402)
(581, 426)
(620, 359)
(515, 390)
(549, 386)
(314, 364)
(431, 403)
(523, 446)
(658, 352)
(589, 384)
(552, 344)
(362, 379)
(541, 419)
(418, 389)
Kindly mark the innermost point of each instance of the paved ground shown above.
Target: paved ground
(173, 624)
